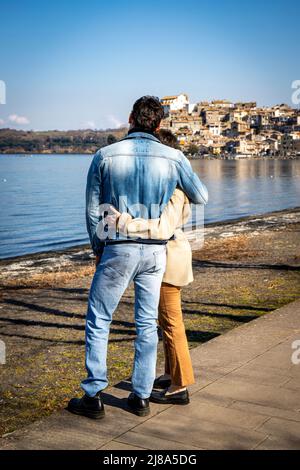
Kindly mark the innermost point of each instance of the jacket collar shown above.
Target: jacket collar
(141, 135)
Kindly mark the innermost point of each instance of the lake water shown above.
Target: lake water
(42, 197)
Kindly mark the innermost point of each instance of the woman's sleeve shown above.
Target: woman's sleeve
(173, 216)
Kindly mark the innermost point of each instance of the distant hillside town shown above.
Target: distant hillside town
(233, 130)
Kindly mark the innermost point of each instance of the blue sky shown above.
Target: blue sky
(77, 64)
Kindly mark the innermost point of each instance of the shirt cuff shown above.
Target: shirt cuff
(123, 220)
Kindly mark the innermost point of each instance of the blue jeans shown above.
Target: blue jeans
(120, 264)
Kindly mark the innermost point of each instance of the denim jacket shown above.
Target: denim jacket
(137, 175)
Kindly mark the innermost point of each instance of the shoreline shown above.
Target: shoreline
(208, 227)
(80, 256)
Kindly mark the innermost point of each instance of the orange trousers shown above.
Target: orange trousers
(178, 362)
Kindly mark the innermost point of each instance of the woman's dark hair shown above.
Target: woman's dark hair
(147, 112)
(168, 138)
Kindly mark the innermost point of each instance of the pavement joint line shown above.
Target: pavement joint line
(276, 407)
(259, 354)
(169, 439)
(289, 379)
(261, 442)
(262, 414)
(204, 420)
(229, 405)
(236, 426)
(268, 417)
(236, 368)
(133, 427)
(120, 442)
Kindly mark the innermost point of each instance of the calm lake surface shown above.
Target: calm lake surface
(42, 197)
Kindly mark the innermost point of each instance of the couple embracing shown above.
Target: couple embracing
(138, 197)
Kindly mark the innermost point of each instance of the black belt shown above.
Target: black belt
(140, 241)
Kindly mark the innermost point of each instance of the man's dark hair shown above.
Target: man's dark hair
(147, 112)
(168, 138)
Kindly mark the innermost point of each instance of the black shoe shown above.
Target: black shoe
(139, 406)
(162, 383)
(180, 398)
(92, 407)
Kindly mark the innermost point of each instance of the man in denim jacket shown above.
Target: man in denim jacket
(137, 175)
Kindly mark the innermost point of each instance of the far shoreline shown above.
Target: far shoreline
(190, 157)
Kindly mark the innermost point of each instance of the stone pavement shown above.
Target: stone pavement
(247, 396)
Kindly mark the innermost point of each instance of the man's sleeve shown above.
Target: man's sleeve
(190, 183)
(93, 199)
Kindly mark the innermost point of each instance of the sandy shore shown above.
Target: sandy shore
(246, 268)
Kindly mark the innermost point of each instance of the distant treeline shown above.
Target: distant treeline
(80, 141)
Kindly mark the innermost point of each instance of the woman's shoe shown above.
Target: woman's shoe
(179, 398)
(162, 383)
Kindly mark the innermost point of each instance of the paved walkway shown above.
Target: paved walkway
(247, 396)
